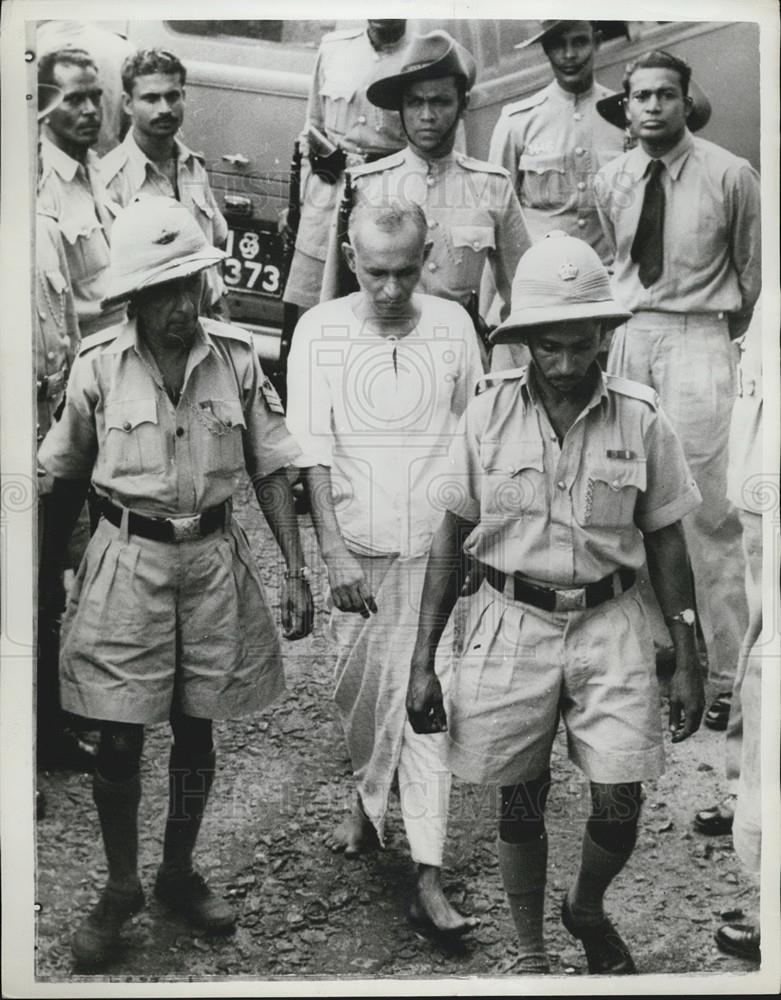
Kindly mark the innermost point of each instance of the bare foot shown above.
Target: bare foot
(431, 910)
(354, 834)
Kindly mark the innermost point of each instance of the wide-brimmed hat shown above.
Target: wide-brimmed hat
(49, 97)
(559, 278)
(612, 108)
(155, 240)
(548, 28)
(428, 57)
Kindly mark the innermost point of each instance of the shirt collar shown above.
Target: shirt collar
(54, 158)
(530, 392)
(566, 96)
(673, 160)
(128, 338)
(432, 166)
(139, 161)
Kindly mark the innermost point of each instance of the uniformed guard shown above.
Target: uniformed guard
(563, 481)
(167, 619)
(473, 214)
(553, 142)
(342, 129)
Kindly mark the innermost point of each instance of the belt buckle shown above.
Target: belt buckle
(571, 600)
(186, 528)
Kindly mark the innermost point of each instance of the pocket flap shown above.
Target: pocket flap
(72, 228)
(511, 456)
(126, 414)
(617, 474)
(228, 412)
(543, 164)
(339, 88)
(476, 237)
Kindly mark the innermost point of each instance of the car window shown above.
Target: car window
(306, 34)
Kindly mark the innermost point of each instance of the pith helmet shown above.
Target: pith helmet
(560, 278)
(49, 97)
(612, 108)
(428, 57)
(155, 240)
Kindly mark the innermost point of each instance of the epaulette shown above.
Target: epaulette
(637, 390)
(112, 163)
(480, 166)
(216, 328)
(527, 103)
(503, 376)
(394, 160)
(335, 36)
(99, 339)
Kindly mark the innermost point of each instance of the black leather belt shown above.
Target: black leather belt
(169, 529)
(571, 599)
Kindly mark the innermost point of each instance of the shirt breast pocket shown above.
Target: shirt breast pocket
(513, 481)
(83, 238)
(337, 94)
(471, 244)
(545, 181)
(134, 440)
(222, 421)
(608, 496)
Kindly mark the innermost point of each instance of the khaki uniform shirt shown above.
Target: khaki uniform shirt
(75, 196)
(120, 427)
(347, 63)
(56, 331)
(473, 218)
(570, 514)
(127, 171)
(553, 143)
(711, 245)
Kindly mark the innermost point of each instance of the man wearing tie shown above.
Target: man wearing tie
(683, 218)
(70, 189)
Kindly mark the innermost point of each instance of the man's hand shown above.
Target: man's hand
(298, 610)
(687, 697)
(349, 589)
(425, 709)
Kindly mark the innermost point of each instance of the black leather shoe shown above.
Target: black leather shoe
(187, 894)
(716, 821)
(606, 952)
(741, 940)
(717, 715)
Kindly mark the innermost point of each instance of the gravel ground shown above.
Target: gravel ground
(284, 781)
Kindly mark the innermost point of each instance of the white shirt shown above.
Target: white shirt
(381, 414)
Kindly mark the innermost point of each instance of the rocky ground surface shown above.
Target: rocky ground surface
(284, 782)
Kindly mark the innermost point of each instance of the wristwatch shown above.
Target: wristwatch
(686, 617)
(302, 573)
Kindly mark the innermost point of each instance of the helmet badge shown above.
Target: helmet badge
(568, 271)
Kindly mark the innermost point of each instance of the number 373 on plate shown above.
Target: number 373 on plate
(253, 262)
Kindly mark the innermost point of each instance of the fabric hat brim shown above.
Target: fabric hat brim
(541, 35)
(49, 97)
(612, 108)
(387, 92)
(522, 321)
(182, 267)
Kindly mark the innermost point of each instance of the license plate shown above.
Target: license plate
(254, 262)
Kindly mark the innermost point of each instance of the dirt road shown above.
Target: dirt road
(283, 782)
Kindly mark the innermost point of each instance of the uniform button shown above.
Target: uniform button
(561, 484)
(180, 432)
(229, 423)
(579, 150)
(126, 426)
(378, 128)
(581, 223)
(581, 185)
(615, 484)
(361, 119)
(432, 266)
(578, 116)
(475, 244)
(50, 355)
(553, 437)
(431, 223)
(430, 181)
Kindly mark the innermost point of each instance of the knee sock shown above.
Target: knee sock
(598, 868)
(117, 805)
(523, 869)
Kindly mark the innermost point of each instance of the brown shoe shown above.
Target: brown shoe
(97, 939)
(187, 894)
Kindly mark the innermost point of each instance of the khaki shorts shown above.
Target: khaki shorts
(522, 668)
(152, 626)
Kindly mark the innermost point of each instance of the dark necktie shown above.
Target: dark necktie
(647, 247)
